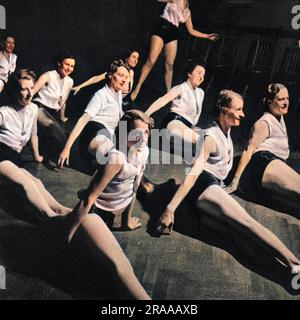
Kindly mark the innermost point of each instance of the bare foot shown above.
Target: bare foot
(63, 211)
(134, 223)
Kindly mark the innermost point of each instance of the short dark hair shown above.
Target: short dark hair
(4, 38)
(271, 93)
(64, 55)
(114, 67)
(131, 115)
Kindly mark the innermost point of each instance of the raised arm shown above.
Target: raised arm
(89, 82)
(43, 79)
(198, 34)
(65, 154)
(161, 102)
(259, 134)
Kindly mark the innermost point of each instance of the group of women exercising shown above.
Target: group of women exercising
(30, 102)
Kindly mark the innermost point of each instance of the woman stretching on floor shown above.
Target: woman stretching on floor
(262, 170)
(203, 185)
(18, 123)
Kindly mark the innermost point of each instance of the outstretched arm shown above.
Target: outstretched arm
(198, 34)
(209, 147)
(259, 134)
(65, 154)
(161, 102)
(82, 209)
(43, 79)
(89, 82)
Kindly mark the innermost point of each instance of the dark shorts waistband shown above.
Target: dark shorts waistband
(175, 116)
(205, 180)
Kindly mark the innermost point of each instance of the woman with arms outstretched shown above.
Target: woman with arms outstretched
(186, 106)
(203, 185)
(262, 170)
(112, 193)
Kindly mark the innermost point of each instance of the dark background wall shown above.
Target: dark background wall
(97, 31)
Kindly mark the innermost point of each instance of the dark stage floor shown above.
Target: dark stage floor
(205, 258)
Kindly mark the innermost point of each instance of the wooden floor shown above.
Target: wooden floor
(206, 257)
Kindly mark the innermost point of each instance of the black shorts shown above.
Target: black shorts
(127, 103)
(174, 116)
(6, 153)
(53, 113)
(107, 216)
(89, 132)
(165, 30)
(251, 180)
(205, 180)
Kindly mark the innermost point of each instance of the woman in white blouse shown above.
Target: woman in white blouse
(18, 124)
(8, 60)
(97, 125)
(262, 170)
(112, 193)
(186, 106)
(165, 35)
(202, 187)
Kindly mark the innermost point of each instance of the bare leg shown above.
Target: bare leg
(156, 47)
(51, 201)
(191, 138)
(99, 147)
(1, 86)
(282, 179)
(170, 56)
(102, 242)
(214, 198)
(180, 129)
(10, 174)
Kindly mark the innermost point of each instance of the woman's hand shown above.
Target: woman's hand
(63, 157)
(38, 158)
(213, 37)
(76, 90)
(233, 186)
(165, 223)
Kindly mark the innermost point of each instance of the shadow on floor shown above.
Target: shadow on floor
(218, 231)
(31, 248)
